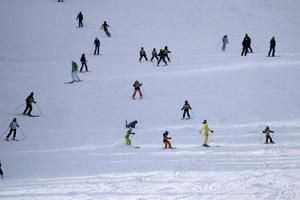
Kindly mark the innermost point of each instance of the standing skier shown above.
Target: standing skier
(186, 107)
(143, 54)
(166, 140)
(246, 45)
(97, 46)
(127, 136)
(1, 172)
(272, 47)
(154, 54)
(162, 57)
(166, 52)
(29, 101)
(83, 63)
(13, 129)
(80, 19)
(225, 41)
(204, 129)
(268, 132)
(105, 28)
(137, 88)
(74, 72)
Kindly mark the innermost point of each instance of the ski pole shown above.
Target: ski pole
(4, 133)
(19, 107)
(23, 134)
(38, 108)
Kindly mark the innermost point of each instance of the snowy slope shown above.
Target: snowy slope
(75, 149)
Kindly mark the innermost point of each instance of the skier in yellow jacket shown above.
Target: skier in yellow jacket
(204, 129)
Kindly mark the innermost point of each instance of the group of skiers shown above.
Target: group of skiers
(247, 45)
(161, 56)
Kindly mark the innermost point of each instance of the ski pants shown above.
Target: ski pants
(12, 131)
(127, 141)
(141, 56)
(1, 172)
(272, 50)
(134, 93)
(96, 50)
(250, 49)
(224, 46)
(107, 33)
(168, 58)
(269, 138)
(28, 108)
(167, 144)
(83, 64)
(154, 57)
(80, 23)
(245, 51)
(205, 139)
(186, 111)
(75, 76)
(163, 59)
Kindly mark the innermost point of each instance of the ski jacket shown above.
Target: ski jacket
(154, 53)
(246, 41)
(162, 54)
(74, 67)
(165, 137)
(79, 16)
(82, 59)
(105, 26)
(137, 85)
(142, 52)
(272, 42)
(97, 42)
(268, 132)
(13, 125)
(225, 40)
(186, 107)
(166, 51)
(30, 99)
(204, 129)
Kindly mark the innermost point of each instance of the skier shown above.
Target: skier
(127, 136)
(204, 129)
(246, 45)
(1, 172)
(137, 88)
(29, 101)
(162, 57)
(131, 124)
(105, 28)
(225, 41)
(166, 52)
(268, 132)
(13, 129)
(272, 47)
(97, 46)
(74, 72)
(154, 54)
(143, 54)
(166, 140)
(80, 19)
(186, 107)
(83, 63)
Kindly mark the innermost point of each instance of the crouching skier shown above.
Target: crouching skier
(127, 136)
(204, 129)
(166, 140)
(268, 132)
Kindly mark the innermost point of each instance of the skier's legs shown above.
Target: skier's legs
(10, 132)
(1, 173)
(188, 114)
(98, 47)
(140, 93)
(81, 67)
(77, 78)
(167, 56)
(15, 132)
(270, 51)
(86, 67)
(273, 53)
(223, 46)
(127, 141)
(73, 76)
(205, 139)
(267, 139)
(30, 109)
(134, 93)
(184, 112)
(159, 61)
(107, 33)
(26, 109)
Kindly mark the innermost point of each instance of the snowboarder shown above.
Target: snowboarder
(80, 19)
(272, 47)
(127, 136)
(166, 140)
(162, 57)
(1, 172)
(74, 72)
(154, 54)
(166, 52)
(246, 45)
(13, 129)
(225, 41)
(105, 28)
(204, 129)
(186, 107)
(29, 101)
(268, 132)
(131, 124)
(83, 63)
(137, 88)
(97, 46)
(143, 54)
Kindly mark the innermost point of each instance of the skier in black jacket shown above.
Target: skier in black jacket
(186, 107)
(162, 56)
(80, 19)
(83, 63)
(246, 45)
(167, 51)
(154, 54)
(97, 46)
(272, 47)
(105, 29)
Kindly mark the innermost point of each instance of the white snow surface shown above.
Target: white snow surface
(75, 149)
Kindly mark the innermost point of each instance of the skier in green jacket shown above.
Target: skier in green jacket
(29, 101)
(74, 72)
